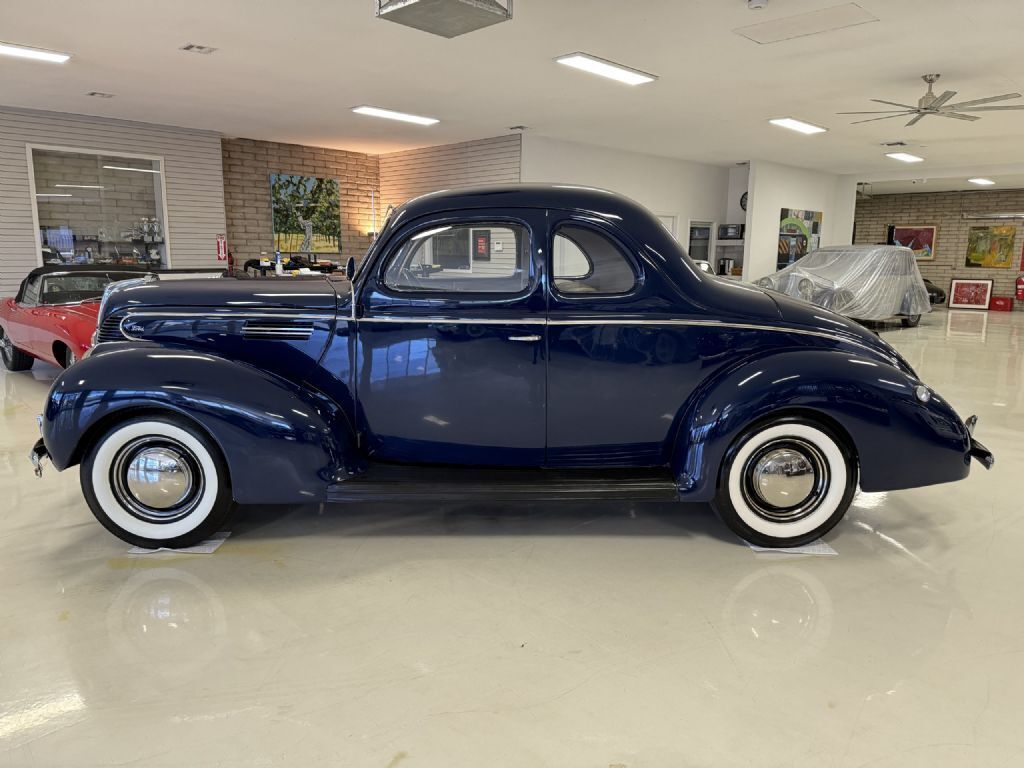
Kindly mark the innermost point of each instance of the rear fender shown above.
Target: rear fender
(282, 443)
(897, 441)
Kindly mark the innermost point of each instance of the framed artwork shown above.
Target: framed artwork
(918, 238)
(481, 245)
(307, 214)
(799, 234)
(970, 294)
(991, 246)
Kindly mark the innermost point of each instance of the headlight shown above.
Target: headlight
(922, 393)
(766, 282)
(806, 288)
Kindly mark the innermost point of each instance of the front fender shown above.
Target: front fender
(900, 442)
(282, 443)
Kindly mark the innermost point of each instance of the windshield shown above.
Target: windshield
(73, 288)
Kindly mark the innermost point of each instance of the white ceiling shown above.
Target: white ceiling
(291, 71)
(904, 186)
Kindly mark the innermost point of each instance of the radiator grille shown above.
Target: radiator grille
(278, 330)
(110, 330)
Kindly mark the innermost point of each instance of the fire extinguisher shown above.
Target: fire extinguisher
(1020, 287)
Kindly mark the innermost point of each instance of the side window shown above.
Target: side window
(31, 293)
(587, 262)
(462, 258)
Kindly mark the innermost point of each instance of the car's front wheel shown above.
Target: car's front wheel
(785, 483)
(14, 359)
(157, 481)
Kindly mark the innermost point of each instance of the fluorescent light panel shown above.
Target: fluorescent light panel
(797, 125)
(609, 69)
(78, 186)
(54, 194)
(37, 54)
(126, 168)
(904, 157)
(982, 182)
(392, 115)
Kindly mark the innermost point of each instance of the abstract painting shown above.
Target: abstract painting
(991, 246)
(307, 214)
(970, 294)
(919, 239)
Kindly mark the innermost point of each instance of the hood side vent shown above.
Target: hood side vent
(278, 330)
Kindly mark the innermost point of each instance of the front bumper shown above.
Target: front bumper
(977, 450)
(38, 456)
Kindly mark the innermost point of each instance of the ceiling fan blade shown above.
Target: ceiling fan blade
(877, 112)
(991, 109)
(989, 100)
(956, 116)
(895, 104)
(942, 99)
(872, 119)
(916, 118)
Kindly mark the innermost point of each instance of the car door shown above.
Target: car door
(622, 359)
(450, 348)
(21, 328)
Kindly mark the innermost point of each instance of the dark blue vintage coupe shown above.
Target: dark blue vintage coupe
(514, 342)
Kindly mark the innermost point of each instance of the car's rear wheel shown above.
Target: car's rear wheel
(14, 359)
(785, 483)
(910, 321)
(157, 481)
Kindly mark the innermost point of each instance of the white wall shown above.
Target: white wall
(686, 190)
(193, 176)
(773, 187)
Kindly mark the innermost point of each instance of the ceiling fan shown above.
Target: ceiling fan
(939, 106)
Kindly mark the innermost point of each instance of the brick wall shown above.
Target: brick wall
(247, 168)
(945, 210)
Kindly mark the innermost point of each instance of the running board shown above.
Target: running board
(397, 482)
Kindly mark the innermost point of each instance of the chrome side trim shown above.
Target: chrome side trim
(614, 321)
(285, 314)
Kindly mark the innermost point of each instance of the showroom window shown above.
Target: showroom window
(463, 258)
(587, 262)
(100, 208)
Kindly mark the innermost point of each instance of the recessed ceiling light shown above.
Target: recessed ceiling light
(982, 182)
(609, 69)
(904, 157)
(126, 168)
(78, 186)
(797, 125)
(7, 49)
(391, 115)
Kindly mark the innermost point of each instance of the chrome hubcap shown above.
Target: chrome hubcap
(157, 479)
(5, 345)
(785, 480)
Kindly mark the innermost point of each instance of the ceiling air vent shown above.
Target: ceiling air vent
(447, 18)
(196, 48)
(100, 94)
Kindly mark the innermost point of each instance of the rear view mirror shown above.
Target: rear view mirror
(350, 267)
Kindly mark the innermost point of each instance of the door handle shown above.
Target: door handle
(531, 337)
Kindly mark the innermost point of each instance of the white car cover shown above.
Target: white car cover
(864, 282)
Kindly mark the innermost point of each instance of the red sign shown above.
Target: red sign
(222, 248)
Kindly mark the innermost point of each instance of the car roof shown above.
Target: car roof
(102, 269)
(557, 196)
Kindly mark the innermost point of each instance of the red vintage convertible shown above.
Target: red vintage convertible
(53, 316)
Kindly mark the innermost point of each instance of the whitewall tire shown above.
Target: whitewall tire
(157, 481)
(785, 483)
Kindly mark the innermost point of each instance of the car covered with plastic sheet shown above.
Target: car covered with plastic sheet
(863, 282)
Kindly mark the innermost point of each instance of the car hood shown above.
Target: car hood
(811, 317)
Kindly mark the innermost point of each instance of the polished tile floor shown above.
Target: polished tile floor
(569, 635)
